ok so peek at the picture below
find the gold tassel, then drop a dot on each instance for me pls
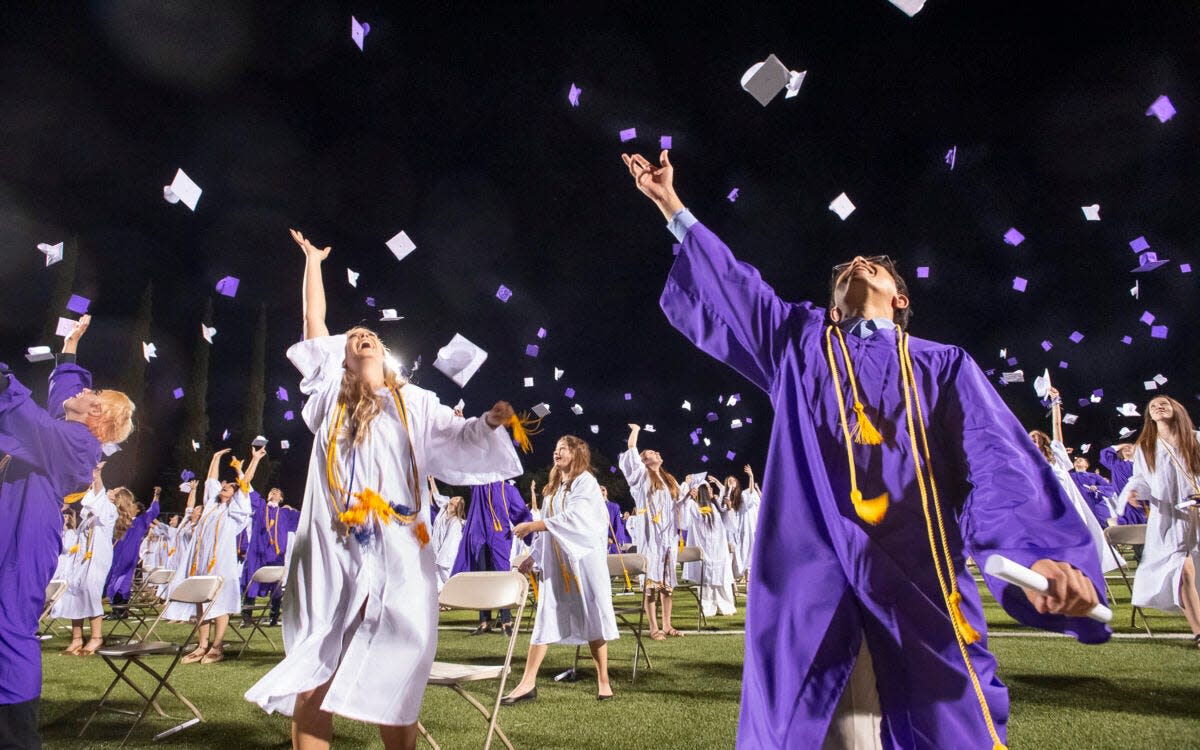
(88, 556)
(865, 433)
(368, 501)
(244, 485)
(871, 510)
(523, 425)
(73, 550)
(236, 463)
(422, 533)
(968, 633)
(74, 497)
(533, 583)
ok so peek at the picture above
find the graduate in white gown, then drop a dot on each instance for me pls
(1166, 481)
(570, 550)
(656, 492)
(70, 519)
(447, 531)
(702, 518)
(360, 609)
(741, 520)
(102, 514)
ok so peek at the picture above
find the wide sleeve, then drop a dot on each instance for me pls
(319, 361)
(152, 512)
(239, 510)
(101, 508)
(750, 499)
(463, 451)
(66, 451)
(66, 380)
(1108, 457)
(581, 526)
(212, 488)
(1015, 506)
(518, 511)
(635, 474)
(725, 308)
(1061, 458)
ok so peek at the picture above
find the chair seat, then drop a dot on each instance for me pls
(626, 610)
(446, 673)
(139, 649)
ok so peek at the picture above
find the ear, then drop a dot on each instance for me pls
(96, 409)
(900, 302)
(835, 314)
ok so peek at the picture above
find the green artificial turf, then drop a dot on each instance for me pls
(1128, 693)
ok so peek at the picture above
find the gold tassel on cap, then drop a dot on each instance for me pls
(523, 425)
(74, 497)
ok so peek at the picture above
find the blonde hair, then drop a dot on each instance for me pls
(362, 404)
(662, 479)
(458, 510)
(1042, 441)
(115, 420)
(126, 510)
(581, 461)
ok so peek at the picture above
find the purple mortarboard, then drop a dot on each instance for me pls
(1084, 402)
(952, 156)
(1162, 109)
(1076, 337)
(1158, 332)
(1012, 361)
(695, 436)
(573, 95)
(704, 459)
(922, 272)
(77, 304)
(711, 416)
(675, 248)
(628, 134)
(1126, 340)
(1139, 244)
(664, 142)
(569, 393)
(1047, 346)
(1097, 395)
(289, 415)
(628, 396)
(1147, 318)
(503, 293)
(228, 286)
(1185, 267)
(733, 195)
(1019, 283)
(281, 393)
(749, 420)
(1148, 261)
(1062, 364)
(358, 32)
(370, 301)
(730, 455)
(186, 475)
(541, 333)
(531, 350)
(612, 470)
(1013, 237)
(177, 393)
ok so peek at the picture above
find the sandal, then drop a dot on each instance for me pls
(73, 649)
(195, 656)
(673, 633)
(658, 635)
(214, 655)
(90, 650)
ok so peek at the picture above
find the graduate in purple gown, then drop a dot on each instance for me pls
(487, 537)
(891, 460)
(45, 455)
(269, 528)
(617, 535)
(1098, 491)
(125, 557)
(1118, 459)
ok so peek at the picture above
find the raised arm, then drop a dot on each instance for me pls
(313, 292)
(631, 442)
(215, 464)
(750, 485)
(256, 455)
(533, 503)
(71, 342)
(97, 479)
(191, 501)
(1056, 430)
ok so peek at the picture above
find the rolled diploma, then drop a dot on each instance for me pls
(1001, 567)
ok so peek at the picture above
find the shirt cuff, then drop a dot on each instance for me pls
(63, 358)
(680, 223)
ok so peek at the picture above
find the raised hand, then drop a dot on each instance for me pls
(310, 250)
(72, 340)
(258, 452)
(157, 492)
(499, 414)
(656, 183)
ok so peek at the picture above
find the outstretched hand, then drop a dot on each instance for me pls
(499, 414)
(310, 250)
(72, 340)
(656, 183)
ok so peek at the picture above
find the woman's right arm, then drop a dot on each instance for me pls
(313, 292)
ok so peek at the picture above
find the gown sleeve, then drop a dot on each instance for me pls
(66, 380)
(581, 526)
(101, 508)
(239, 510)
(635, 474)
(56, 447)
(725, 308)
(319, 361)
(465, 451)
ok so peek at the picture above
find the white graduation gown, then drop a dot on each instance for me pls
(1171, 533)
(576, 608)
(64, 557)
(740, 528)
(365, 614)
(707, 531)
(445, 540)
(213, 551)
(85, 578)
(659, 540)
(1062, 470)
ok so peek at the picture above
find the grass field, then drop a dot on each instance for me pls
(1132, 692)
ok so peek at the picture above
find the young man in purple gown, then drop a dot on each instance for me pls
(45, 455)
(617, 534)
(850, 635)
(270, 525)
(487, 537)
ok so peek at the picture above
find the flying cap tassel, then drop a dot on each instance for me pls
(368, 501)
(968, 633)
(864, 432)
(522, 426)
(74, 497)
(872, 510)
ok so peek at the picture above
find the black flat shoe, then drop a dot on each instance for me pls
(481, 630)
(531, 695)
(604, 697)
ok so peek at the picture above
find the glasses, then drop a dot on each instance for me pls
(882, 260)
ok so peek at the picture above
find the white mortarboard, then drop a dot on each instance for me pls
(687, 406)
(1150, 385)
(284, 444)
(110, 448)
(766, 79)
(577, 409)
(1125, 432)
(1128, 409)
(65, 327)
(53, 252)
(389, 315)
(150, 351)
(648, 428)
(795, 80)
(1135, 290)
(528, 382)
(1070, 418)
(185, 487)
(557, 373)
(459, 360)
(182, 189)
(910, 7)
(401, 246)
(195, 446)
(38, 353)
(460, 405)
(695, 480)
(842, 206)
(1003, 353)
(1041, 384)
(1016, 376)
(595, 429)
(735, 424)
(352, 277)
(224, 435)
(207, 332)
(707, 442)
(1092, 212)
(1085, 447)
(1160, 379)
(259, 442)
(541, 409)
(732, 400)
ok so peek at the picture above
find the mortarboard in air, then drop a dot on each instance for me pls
(1076, 337)
(53, 253)
(110, 448)
(1070, 418)
(1160, 379)
(228, 286)
(730, 455)
(735, 424)
(910, 7)
(177, 393)
(1150, 385)
(528, 382)
(687, 406)
(1047, 346)
(628, 134)
(1147, 318)
(628, 396)
(922, 272)
(182, 189)
(1162, 109)
(224, 435)
(569, 393)
(78, 304)
(1185, 267)
(704, 459)
(1016, 376)
(289, 415)
(648, 428)
(1011, 361)
(401, 246)
(595, 429)
(1041, 384)
(711, 416)
(573, 95)
(707, 442)
(734, 399)
(358, 32)
(1085, 447)
(1019, 283)
(558, 373)
(733, 195)
(284, 444)
(576, 409)
(1158, 332)
(207, 333)
(766, 79)
(1127, 340)
(541, 333)
(149, 350)
(38, 354)
(1128, 409)
(1135, 290)
(195, 446)
(1096, 396)
(370, 301)
(65, 327)
(951, 157)
(1125, 432)
(388, 315)
(541, 409)
(281, 393)
(1139, 244)
(460, 359)
(259, 442)
(1092, 212)
(1013, 237)
(1062, 364)
(842, 206)
(664, 142)
(1148, 261)
(352, 277)
(503, 293)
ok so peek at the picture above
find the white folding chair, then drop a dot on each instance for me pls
(200, 591)
(1133, 534)
(142, 605)
(694, 555)
(267, 575)
(476, 591)
(627, 567)
(54, 592)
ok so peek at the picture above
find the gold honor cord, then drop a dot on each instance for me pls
(212, 562)
(613, 531)
(562, 564)
(871, 510)
(492, 509)
(963, 632)
(273, 527)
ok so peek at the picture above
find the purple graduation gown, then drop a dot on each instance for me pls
(482, 543)
(51, 458)
(1096, 498)
(1121, 471)
(823, 577)
(125, 554)
(616, 525)
(268, 525)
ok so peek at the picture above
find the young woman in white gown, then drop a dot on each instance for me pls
(1166, 481)
(741, 520)
(703, 519)
(447, 531)
(570, 550)
(360, 608)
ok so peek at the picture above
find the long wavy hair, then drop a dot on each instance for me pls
(704, 499)
(662, 479)
(127, 509)
(733, 489)
(581, 461)
(1187, 447)
(362, 404)
(1042, 441)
